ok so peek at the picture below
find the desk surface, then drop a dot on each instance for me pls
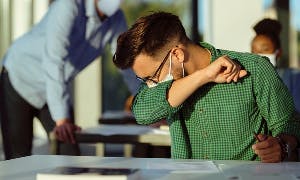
(26, 168)
(125, 134)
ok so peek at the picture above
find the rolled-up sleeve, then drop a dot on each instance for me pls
(151, 105)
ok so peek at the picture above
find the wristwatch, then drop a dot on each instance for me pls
(285, 149)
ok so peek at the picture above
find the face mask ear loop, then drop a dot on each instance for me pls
(170, 63)
(182, 66)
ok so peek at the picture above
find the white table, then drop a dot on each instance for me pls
(152, 168)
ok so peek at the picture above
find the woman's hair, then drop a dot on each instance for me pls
(270, 28)
(149, 35)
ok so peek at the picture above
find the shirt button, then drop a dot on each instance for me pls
(204, 134)
(201, 110)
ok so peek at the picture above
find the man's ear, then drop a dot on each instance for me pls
(178, 53)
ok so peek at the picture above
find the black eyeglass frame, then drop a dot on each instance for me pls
(156, 73)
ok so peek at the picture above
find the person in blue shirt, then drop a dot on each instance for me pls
(267, 43)
(40, 66)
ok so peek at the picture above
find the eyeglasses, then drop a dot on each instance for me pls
(156, 73)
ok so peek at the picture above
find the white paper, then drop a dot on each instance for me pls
(186, 167)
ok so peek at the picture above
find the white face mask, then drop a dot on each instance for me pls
(272, 57)
(169, 75)
(108, 7)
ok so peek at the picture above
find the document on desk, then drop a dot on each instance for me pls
(186, 167)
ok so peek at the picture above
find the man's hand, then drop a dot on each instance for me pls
(269, 149)
(64, 130)
(224, 70)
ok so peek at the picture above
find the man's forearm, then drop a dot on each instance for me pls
(181, 89)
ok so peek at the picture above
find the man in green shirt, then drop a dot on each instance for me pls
(209, 117)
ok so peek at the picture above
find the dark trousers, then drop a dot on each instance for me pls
(17, 122)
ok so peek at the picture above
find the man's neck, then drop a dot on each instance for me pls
(198, 58)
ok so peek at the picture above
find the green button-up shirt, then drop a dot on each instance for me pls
(218, 120)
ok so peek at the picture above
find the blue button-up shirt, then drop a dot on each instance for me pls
(42, 63)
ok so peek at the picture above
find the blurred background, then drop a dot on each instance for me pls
(226, 24)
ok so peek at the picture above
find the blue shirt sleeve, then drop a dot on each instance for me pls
(59, 25)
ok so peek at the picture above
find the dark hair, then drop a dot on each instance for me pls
(149, 34)
(270, 28)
